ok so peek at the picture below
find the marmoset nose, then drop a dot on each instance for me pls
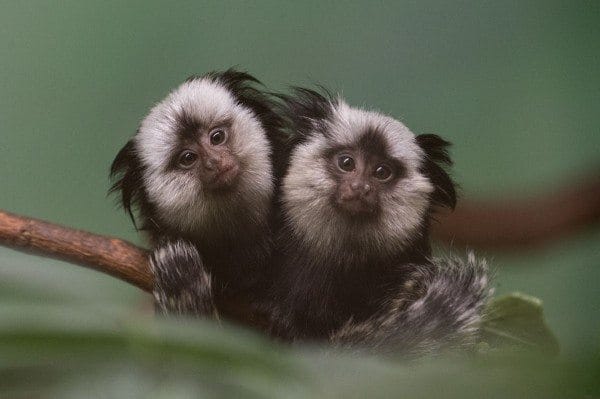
(210, 163)
(360, 187)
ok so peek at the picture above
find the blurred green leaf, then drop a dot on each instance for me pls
(52, 351)
(517, 321)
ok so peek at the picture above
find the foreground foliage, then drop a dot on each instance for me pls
(58, 351)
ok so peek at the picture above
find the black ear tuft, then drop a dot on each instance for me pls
(245, 88)
(307, 109)
(434, 167)
(127, 170)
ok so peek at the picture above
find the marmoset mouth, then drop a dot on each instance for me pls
(224, 178)
(356, 207)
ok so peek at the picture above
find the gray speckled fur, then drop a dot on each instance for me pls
(182, 286)
(445, 315)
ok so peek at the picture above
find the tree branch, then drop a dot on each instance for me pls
(110, 255)
(515, 224)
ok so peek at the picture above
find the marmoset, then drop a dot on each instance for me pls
(201, 172)
(353, 255)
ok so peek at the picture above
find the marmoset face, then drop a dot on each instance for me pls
(204, 156)
(362, 173)
(357, 178)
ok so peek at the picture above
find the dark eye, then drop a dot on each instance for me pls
(346, 163)
(187, 159)
(217, 137)
(382, 172)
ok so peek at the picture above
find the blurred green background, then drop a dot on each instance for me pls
(515, 85)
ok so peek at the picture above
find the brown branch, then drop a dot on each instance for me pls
(523, 223)
(110, 255)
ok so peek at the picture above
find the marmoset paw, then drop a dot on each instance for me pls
(181, 284)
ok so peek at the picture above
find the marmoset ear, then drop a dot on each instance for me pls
(127, 170)
(434, 167)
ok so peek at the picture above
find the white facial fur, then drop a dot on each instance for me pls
(308, 188)
(181, 202)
